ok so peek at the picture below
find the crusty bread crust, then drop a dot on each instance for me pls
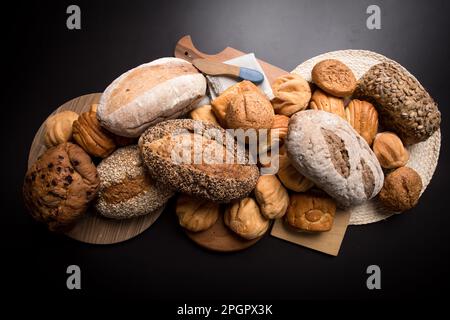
(327, 150)
(196, 179)
(166, 100)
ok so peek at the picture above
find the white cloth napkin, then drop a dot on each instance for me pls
(218, 84)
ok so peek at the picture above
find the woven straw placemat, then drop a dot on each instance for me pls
(423, 156)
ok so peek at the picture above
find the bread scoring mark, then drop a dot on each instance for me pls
(142, 79)
(338, 152)
(368, 179)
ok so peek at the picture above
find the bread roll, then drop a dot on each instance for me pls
(150, 93)
(329, 152)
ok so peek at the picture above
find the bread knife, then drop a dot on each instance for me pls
(214, 68)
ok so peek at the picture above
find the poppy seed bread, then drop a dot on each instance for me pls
(189, 156)
(126, 189)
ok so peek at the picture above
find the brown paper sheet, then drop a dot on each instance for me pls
(326, 242)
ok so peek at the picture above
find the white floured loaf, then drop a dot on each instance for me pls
(163, 89)
(328, 151)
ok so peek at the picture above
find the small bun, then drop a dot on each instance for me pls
(292, 94)
(244, 218)
(196, 214)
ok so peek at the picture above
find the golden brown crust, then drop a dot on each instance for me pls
(215, 181)
(59, 186)
(249, 110)
(390, 151)
(322, 101)
(58, 128)
(196, 214)
(291, 94)
(141, 80)
(289, 176)
(334, 77)
(401, 189)
(311, 212)
(220, 104)
(272, 197)
(204, 113)
(363, 117)
(94, 139)
(244, 218)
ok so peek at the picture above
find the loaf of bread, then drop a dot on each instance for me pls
(329, 152)
(126, 189)
(191, 156)
(150, 93)
(59, 186)
(403, 105)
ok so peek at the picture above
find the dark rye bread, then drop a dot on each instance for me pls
(328, 151)
(200, 174)
(403, 105)
(59, 186)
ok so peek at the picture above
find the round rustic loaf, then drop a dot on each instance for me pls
(189, 155)
(150, 93)
(404, 106)
(328, 151)
(59, 186)
(126, 189)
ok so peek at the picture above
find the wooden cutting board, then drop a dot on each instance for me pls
(93, 228)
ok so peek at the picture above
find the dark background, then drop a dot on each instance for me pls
(47, 64)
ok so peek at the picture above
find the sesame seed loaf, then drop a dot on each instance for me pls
(163, 89)
(200, 174)
(126, 189)
(404, 106)
(328, 151)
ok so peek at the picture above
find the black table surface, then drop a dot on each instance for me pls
(48, 64)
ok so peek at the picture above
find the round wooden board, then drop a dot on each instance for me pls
(220, 238)
(93, 228)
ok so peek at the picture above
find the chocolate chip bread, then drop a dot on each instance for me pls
(404, 106)
(59, 186)
(126, 189)
(183, 154)
(328, 151)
